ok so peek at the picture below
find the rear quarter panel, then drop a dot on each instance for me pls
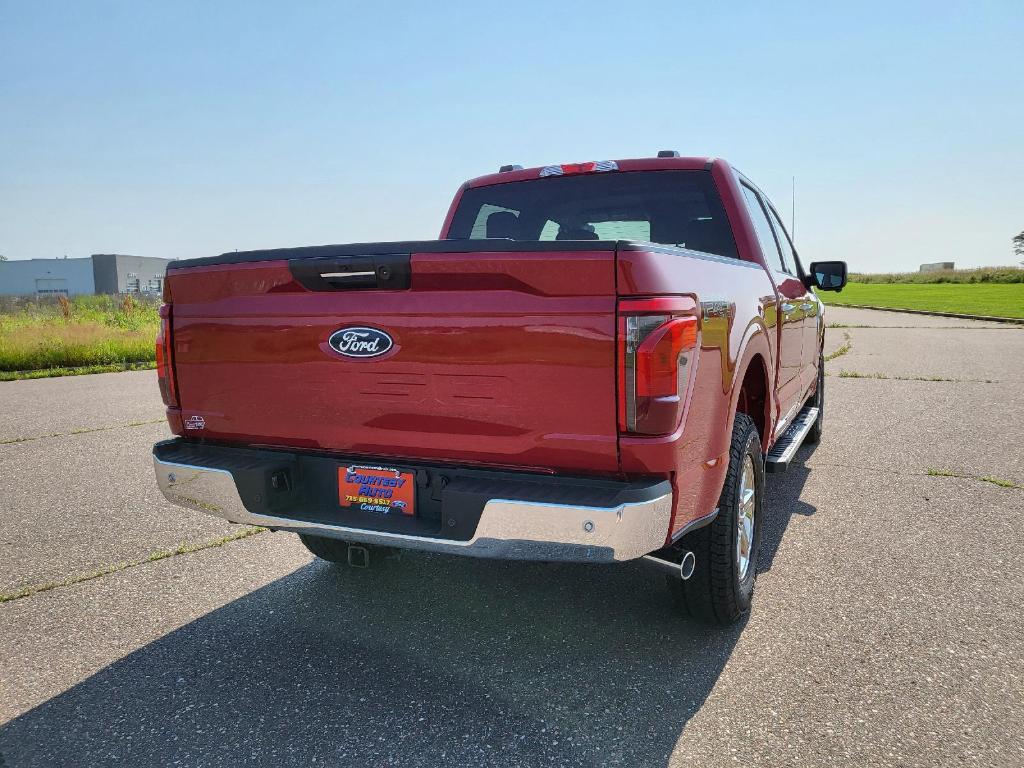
(736, 304)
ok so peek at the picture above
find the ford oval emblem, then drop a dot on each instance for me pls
(357, 341)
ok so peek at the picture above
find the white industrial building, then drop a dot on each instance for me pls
(99, 273)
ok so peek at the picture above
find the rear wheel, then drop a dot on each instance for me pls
(818, 401)
(337, 551)
(722, 585)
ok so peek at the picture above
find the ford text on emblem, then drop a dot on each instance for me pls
(360, 342)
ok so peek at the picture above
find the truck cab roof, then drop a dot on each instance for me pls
(634, 164)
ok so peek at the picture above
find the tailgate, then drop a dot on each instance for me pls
(504, 358)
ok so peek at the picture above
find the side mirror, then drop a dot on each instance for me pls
(827, 275)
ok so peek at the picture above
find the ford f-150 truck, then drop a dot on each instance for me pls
(596, 362)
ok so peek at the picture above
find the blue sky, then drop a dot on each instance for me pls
(187, 129)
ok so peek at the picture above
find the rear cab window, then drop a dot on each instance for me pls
(680, 208)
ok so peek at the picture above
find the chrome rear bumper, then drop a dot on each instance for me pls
(508, 528)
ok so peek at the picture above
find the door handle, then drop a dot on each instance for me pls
(787, 307)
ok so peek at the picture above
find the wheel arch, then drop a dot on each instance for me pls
(753, 393)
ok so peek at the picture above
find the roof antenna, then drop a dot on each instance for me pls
(792, 214)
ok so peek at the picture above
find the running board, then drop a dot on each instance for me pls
(786, 446)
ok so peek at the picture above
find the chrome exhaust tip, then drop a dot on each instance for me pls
(689, 562)
(681, 570)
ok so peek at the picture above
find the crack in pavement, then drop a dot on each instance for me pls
(844, 374)
(1009, 484)
(930, 327)
(84, 431)
(152, 557)
(848, 345)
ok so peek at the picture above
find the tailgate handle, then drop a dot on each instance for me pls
(386, 272)
(330, 275)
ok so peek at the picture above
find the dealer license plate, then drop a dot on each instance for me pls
(383, 490)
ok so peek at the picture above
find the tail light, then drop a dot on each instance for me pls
(657, 349)
(165, 359)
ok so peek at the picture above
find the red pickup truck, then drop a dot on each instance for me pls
(595, 362)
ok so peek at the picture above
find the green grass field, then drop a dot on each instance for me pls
(992, 299)
(978, 275)
(88, 334)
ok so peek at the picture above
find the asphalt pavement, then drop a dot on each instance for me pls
(888, 627)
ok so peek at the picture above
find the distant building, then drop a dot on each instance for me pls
(938, 266)
(46, 277)
(99, 273)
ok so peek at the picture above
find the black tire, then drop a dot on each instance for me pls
(814, 435)
(336, 551)
(716, 593)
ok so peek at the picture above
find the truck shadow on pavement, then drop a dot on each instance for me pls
(425, 661)
(782, 501)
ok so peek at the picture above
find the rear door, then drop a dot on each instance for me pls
(503, 358)
(789, 310)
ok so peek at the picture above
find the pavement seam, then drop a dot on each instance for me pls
(997, 481)
(980, 478)
(928, 327)
(85, 431)
(844, 374)
(152, 557)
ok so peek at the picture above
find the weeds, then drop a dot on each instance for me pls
(55, 335)
(984, 479)
(847, 345)
(854, 375)
(857, 375)
(999, 481)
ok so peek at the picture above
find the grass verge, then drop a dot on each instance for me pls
(46, 373)
(990, 299)
(152, 557)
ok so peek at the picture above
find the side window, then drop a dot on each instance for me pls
(626, 229)
(605, 230)
(549, 232)
(765, 236)
(788, 254)
(485, 226)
